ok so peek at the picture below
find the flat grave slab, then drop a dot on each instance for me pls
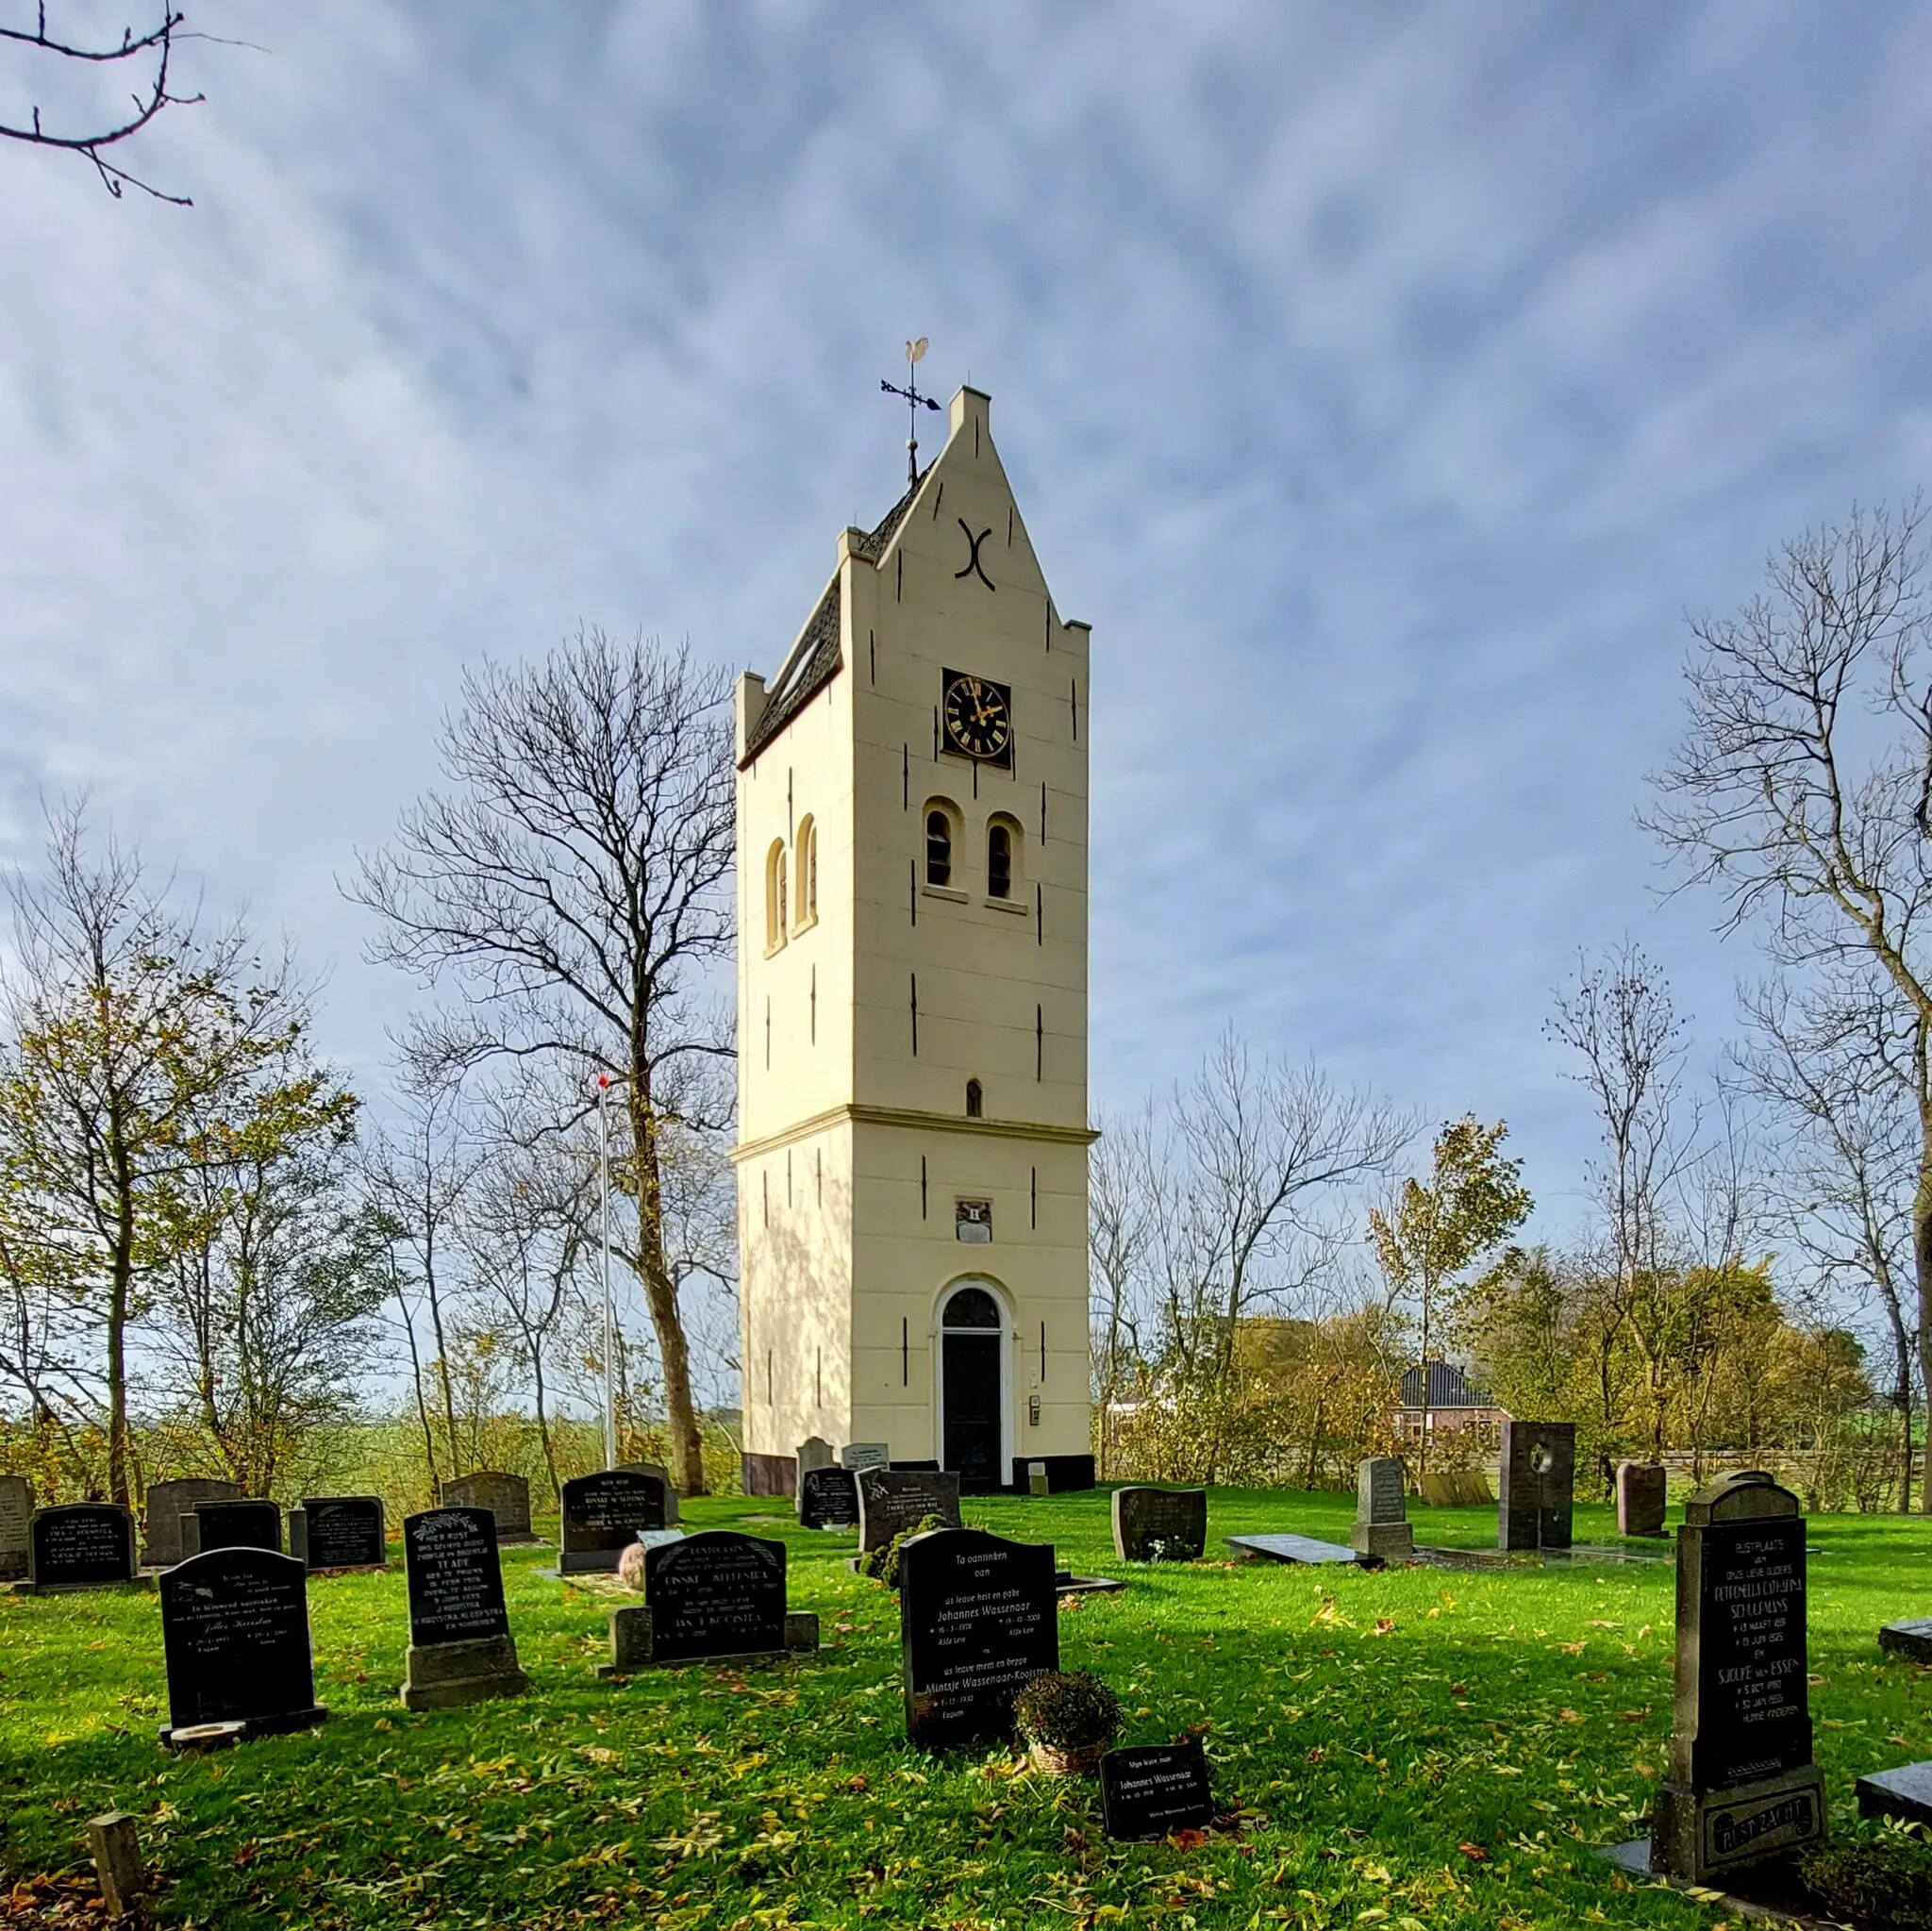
(1904, 1793)
(1912, 1639)
(1290, 1548)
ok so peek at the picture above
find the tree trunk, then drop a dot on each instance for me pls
(121, 1295)
(1921, 1270)
(661, 1293)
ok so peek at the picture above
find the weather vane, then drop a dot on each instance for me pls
(913, 399)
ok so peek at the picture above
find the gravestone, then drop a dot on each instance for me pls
(338, 1532)
(1742, 1786)
(814, 1452)
(1381, 1531)
(1904, 1793)
(601, 1516)
(1439, 1488)
(827, 1499)
(16, 1506)
(166, 1503)
(1288, 1548)
(1151, 1790)
(672, 1512)
(235, 1631)
(858, 1456)
(506, 1496)
(1641, 1498)
(80, 1545)
(250, 1522)
(460, 1649)
(1471, 1489)
(978, 1619)
(711, 1595)
(1913, 1639)
(1535, 1484)
(914, 1468)
(893, 1500)
(1159, 1525)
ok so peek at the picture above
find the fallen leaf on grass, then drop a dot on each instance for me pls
(1475, 1852)
(1384, 1626)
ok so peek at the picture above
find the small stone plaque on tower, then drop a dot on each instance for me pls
(506, 1496)
(460, 1649)
(247, 1523)
(893, 1500)
(1640, 1489)
(603, 1515)
(1381, 1531)
(1536, 1482)
(81, 1546)
(1159, 1525)
(235, 1630)
(827, 1499)
(166, 1503)
(16, 1506)
(338, 1532)
(1742, 1787)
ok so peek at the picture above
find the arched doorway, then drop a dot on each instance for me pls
(973, 1377)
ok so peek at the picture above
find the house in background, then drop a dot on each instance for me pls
(1439, 1400)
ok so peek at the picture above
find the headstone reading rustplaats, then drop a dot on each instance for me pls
(1381, 1531)
(1537, 1477)
(715, 1595)
(80, 1545)
(506, 1496)
(16, 1506)
(858, 1456)
(827, 1498)
(1742, 1786)
(460, 1649)
(249, 1524)
(814, 1452)
(1159, 1525)
(672, 1512)
(602, 1515)
(1151, 1790)
(338, 1532)
(164, 1505)
(235, 1631)
(1641, 1498)
(893, 1500)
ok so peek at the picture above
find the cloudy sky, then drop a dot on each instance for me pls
(1384, 385)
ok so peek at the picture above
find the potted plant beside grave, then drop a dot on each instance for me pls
(1068, 1718)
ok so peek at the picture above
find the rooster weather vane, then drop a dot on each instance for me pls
(913, 403)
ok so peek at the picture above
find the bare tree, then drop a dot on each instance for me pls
(145, 58)
(1122, 1203)
(575, 885)
(1803, 791)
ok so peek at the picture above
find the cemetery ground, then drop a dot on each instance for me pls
(1413, 1747)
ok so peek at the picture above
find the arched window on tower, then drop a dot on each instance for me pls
(939, 847)
(775, 915)
(976, 1100)
(807, 847)
(1002, 858)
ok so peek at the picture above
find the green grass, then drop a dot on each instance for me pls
(1409, 1748)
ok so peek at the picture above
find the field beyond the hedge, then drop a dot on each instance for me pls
(1411, 1747)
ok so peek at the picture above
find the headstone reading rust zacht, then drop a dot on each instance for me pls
(506, 1496)
(165, 1504)
(1381, 1531)
(16, 1506)
(601, 1516)
(858, 1456)
(235, 1631)
(1159, 1525)
(80, 1545)
(978, 1619)
(672, 1512)
(827, 1498)
(1536, 1481)
(1149, 1791)
(250, 1522)
(460, 1649)
(1742, 1787)
(893, 1500)
(1641, 1490)
(709, 1596)
(338, 1532)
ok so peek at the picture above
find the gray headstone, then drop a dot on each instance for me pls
(16, 1506)
(166, 1503)
(1381, 1531)
(1641, 1489)
(506, 1496)
(865, 1455)
(1159, 1525)
(1036, 1478)
(1537, 1481)
(672, 1512)
(893, 1500)
(814, 1452)
(1742, 1787)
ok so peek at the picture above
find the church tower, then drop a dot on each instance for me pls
(912, 1002)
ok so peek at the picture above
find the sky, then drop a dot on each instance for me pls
(1386, 386)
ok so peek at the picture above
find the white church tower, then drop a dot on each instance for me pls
(912, 1002)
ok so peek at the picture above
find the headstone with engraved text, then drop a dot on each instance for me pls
(235, 1632)
(460, 1649)
(1381, 1531)
(827, 1499)
(1641, 1490)
(164, 1505)
(601, 1516)
(1159, 1525)
(506, 1496)
(1536, 1479)
(16, 1506)
(338, 1532)
(893, 1500)
(1150, 1790)
(859, 1456)
(80, 1545)
(243, 1523)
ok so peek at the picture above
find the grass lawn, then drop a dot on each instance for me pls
(1411, 1747)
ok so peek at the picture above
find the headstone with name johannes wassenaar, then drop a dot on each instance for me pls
(16, 1506)
(1159, 1525)
(978, 1619)
(338, 1532)
(506, 1496)
(601, 1516)
(1742, 1787)
(81, 1546)
(1381, 1531)
(893, 1500)
(460, 1649)
(827, 1499)
(245, 1523)
(858, 1456)
(1150, 1790)
(163, 1507)
(235, 1632)
(1537, 1480)
(1640, 1494)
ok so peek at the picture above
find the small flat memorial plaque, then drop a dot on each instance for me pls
(235, 1631)
(1154, 1790)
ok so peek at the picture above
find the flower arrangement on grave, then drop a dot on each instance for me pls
(1068, 1718)
(882, 1564)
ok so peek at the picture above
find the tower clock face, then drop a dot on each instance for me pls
(979, 716)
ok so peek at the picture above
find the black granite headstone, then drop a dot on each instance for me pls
(715, 1595)
(80, 1545)
(827, 1499)
(1159, 1525)
(978, 1619)
(915, 1468)
(338, 1532)
(1149, 1791)
(893, 1500)
(456, 1581)
(235, 1630)
(602, 1515)
(250, 1522)
(1536, 1483)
